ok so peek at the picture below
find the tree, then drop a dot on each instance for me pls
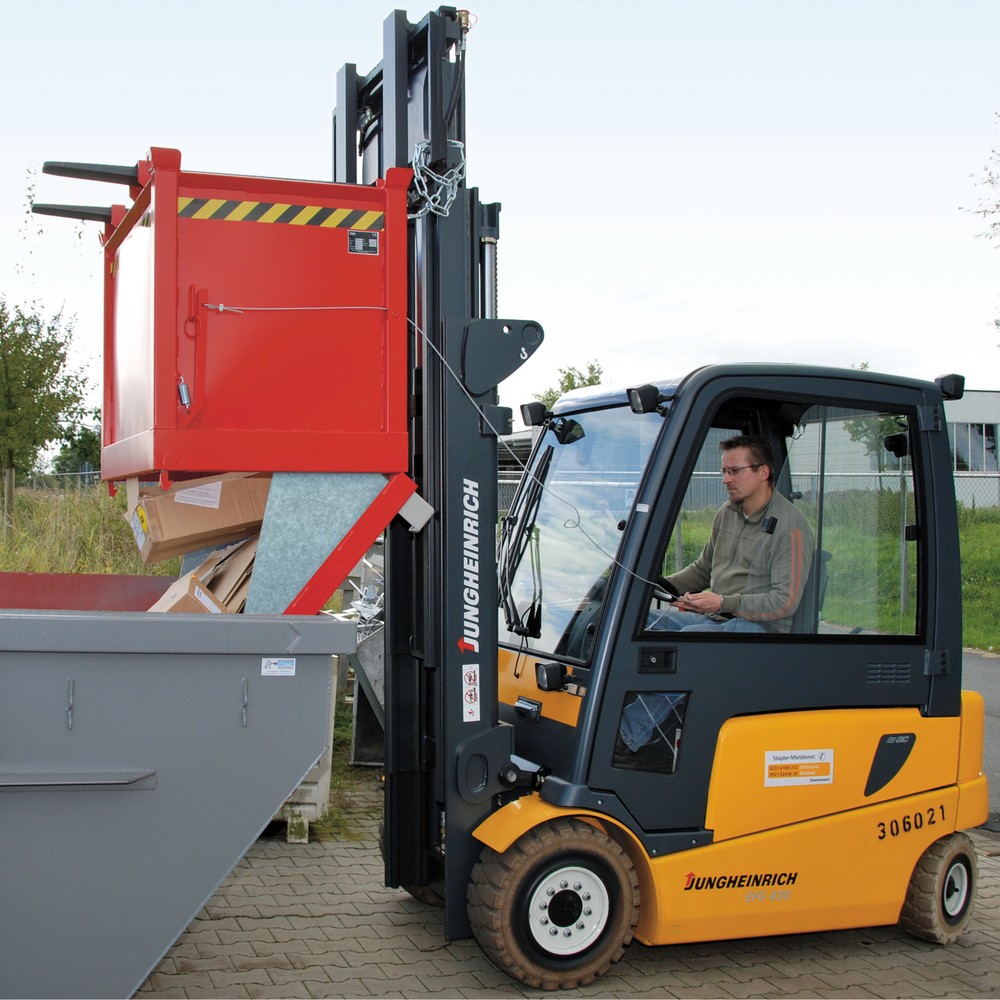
(82, 447)
(572, 378)
(38, 396)
(989, 204)
(872, 433)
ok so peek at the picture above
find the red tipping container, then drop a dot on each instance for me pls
(255, 324)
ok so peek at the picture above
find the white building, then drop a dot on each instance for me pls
(973, 422)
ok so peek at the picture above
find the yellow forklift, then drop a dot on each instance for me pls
(697, 785)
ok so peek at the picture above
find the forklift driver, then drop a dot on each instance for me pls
(756, 560)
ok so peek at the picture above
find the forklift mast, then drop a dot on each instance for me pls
(444, 747)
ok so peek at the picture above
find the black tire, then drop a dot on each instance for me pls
(556, 909)
(421, 893)
(942, 889)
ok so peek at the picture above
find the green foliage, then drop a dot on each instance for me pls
(82, 448)
(872, 432)
(85, 531)
(571, 378)
(38, 396)
(864, 591)
(75, 531)
(979, 534)
(346, 779)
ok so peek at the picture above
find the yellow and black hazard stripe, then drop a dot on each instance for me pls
(281, 214)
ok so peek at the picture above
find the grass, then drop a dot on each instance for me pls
(864, 591)
(83, 530)
(345, 780)
(979, 537)
(78, 530)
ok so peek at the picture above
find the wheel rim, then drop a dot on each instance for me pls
(955, 894)
(567, 910)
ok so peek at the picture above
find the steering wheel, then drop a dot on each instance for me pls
(664, 590)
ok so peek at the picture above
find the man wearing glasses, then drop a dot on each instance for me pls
(752, 571)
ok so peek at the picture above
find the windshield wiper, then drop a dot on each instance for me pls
(517, 533)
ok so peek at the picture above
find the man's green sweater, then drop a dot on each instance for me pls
(757, 564)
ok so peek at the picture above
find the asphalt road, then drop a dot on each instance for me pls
(981, 672)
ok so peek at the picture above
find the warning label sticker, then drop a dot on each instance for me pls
(798, 767)
(470, 693)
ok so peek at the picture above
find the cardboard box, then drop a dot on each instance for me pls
(217, 586)
(190, 596)
(197, 514)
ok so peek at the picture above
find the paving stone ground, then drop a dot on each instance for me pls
(314, 920)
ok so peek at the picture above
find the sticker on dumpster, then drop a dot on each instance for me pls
(277, 666)
(206, 495)
(798, 767)
(362, 242)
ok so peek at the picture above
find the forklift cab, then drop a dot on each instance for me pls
(616, 499)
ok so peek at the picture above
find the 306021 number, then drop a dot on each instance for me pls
(909, 822)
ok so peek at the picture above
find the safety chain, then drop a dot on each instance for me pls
(435, 191)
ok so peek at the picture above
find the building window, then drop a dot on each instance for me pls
(974, 447)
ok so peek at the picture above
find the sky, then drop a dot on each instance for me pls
(682, 182)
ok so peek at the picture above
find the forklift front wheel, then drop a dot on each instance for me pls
(939, 899)
(558, 907)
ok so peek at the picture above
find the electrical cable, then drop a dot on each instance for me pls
(575, 522)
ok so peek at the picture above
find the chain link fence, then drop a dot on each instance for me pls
(977, 490)
(61, 480)
(972, 490)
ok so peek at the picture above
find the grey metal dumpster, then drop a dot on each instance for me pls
(140, 756)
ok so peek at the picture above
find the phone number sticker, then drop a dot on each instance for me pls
(798, 767)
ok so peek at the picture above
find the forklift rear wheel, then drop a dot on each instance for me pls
(556, 909)
(939, 899)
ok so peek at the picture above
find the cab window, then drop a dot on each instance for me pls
(844, 477)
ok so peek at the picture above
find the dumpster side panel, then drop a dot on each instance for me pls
(136, 779)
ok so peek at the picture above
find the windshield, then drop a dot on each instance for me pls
(559, 541)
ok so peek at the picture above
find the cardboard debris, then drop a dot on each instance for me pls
(217, 586)
(189, 595)
(231, 579)
(197, 514)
